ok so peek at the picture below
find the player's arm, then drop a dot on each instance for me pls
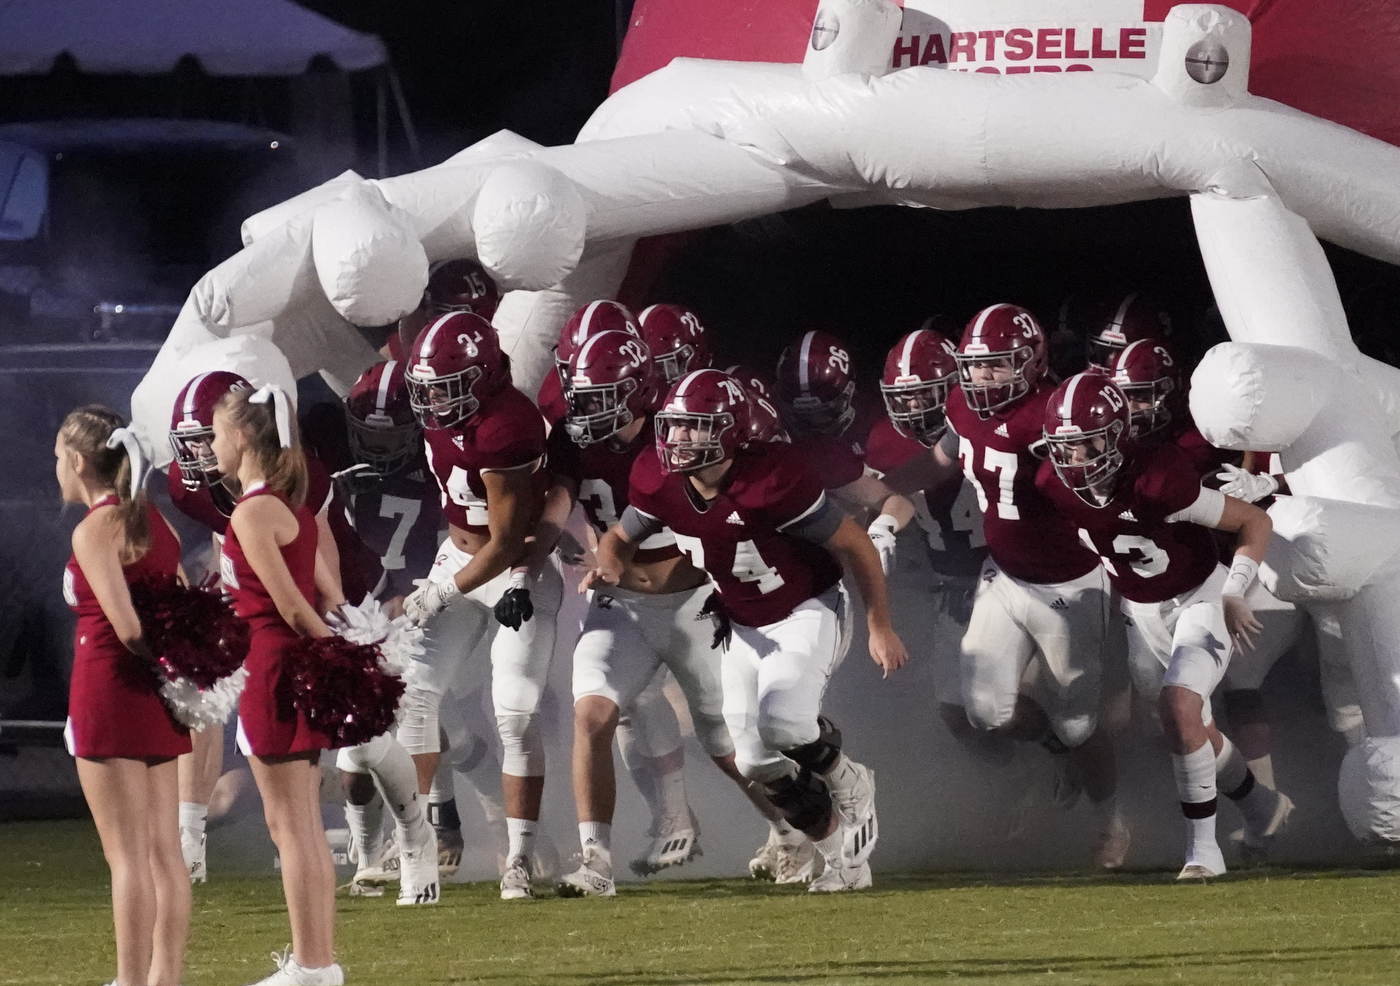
(97, 545)
(618, 547)
(558, 505)
(869, 495)
(509, 492)
(262, 525)
(1252, 528)
(924, 472)
(857, 555)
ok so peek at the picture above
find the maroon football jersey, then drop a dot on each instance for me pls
(838, 459)
(506, 433)
(204, 504)
(1028, 538)
(390, 528)
(947, 513)
(551, 400)
(762, 573)
(603, 475)
(1147, 559)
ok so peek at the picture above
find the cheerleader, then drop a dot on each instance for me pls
(119, 729)
(269, 566)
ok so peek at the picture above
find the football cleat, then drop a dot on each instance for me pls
(1202, 863)
(1254, 847)
(784, 862)
(853, 793)
(289, 973)
(383, 867)
(192, 847)
(674, 844)
(449, 850)
(838, 878)
(593, 878)
(764, 865)
(515, 884)
(418, 868)
(1112, 845)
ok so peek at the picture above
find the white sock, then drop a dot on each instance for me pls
(786, 834)
(1263, 770)
(397, 780)
(830, 848)
(1195, 775)
(442, 788)
(1200, 835)
(366, 824)
(521, 833)
(1230, 771)
(671, 795)
(192, 815)
(598, 834)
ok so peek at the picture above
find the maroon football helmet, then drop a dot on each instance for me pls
(676, 339)
(612, 382)
(383, 430)
(588, 321)
(1087, 428)
(753, 381)
(456, 363)
(919, 372)
(1134, 317)
(703, 421)
(461, 286)
(1150, 378)
(765, 424)
(192, 426)
(1000, 338)
(815, 386)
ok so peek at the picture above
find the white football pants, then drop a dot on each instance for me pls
(1182, 641)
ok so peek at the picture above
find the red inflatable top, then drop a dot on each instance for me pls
(1339, 60)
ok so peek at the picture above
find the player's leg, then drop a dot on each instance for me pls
(649, 738)
(992, 658)
(364, 817)
(116, 791)
(946, 609)
(519, 666)
(1250, 726)
(472, 753)
(388, 764)
(198, 772)
(169, 875)
(1340, 696)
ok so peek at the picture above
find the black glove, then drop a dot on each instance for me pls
(714, 609)
(514, 609)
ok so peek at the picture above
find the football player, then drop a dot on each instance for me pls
(204, 496)
(486, 447)
(655, 617)
(460, 285)
(583, 324)
(755, 516)
(1149, 519)
(676, 339)
(1040, 592)
(1135, 317)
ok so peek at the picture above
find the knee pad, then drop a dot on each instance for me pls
(363, 758)
(523, 753)
(820, 755)
(986, 714)
(1071, 732)
(802, 798)
(418, 726)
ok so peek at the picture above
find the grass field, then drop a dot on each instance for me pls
(1265, 927)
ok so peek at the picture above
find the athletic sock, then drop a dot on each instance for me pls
(192, 815)
(671, 795)
(1263, 770)
(521, 833)
(1195, 785)
(397, 780)
(366, 824)
(830, 847)
(597, 834)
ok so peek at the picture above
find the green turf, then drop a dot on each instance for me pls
(1274, 927)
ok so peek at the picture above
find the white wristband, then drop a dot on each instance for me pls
(885, 520)
(518, 576)
(1241, 578)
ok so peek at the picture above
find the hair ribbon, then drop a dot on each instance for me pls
(126, 438)
(281, 410)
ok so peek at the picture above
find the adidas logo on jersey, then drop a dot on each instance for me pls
(734, 518)
(1128, 516)
(457, 441)
(1001, 430)
(1059, 604)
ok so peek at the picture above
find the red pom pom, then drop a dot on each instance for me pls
(191, 630)
(341, 689)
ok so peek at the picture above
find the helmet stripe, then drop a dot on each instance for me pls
(190, 393)
(1067, 405)
(686, 381)
(1123, 311)
(803, 356)
(381, 399)
(431, 337)
(582, 355)
(1130, 347)
(908, 352)
(982, 319)
(582, 332)
(642, 318)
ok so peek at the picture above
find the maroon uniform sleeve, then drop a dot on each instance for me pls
(197, 506)
(645, 483)
(790, 490)
(551, 399)
(887, 450)
(839, 464)
(1168, 482)
(511, 435)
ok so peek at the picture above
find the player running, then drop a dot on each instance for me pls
(757, 519)
(1148, 517)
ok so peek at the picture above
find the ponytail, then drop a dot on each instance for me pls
(100, 436)
(265, 419)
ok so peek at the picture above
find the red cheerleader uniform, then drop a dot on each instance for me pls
(269, 724)
(114, 703)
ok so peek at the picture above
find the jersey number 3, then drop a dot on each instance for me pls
(1000, 464)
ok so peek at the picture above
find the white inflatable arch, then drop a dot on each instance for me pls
(702, 143)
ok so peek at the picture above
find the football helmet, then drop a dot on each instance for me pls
(753, 381)
(461, 286)
(383, 431)
(612, 382)
(588, 321)
(1134, 317)
(1150, 378)
(765, 424)
(919, 372)
(676, 339)
(1086, 428)
(703, 421)
(1007, 335)
(815, 385)
(192, 426)
(456, 363)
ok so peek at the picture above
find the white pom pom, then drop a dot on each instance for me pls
(198, 708)
(398, 640)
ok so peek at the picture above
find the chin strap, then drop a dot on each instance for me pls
(127, 440)
(281, 410)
